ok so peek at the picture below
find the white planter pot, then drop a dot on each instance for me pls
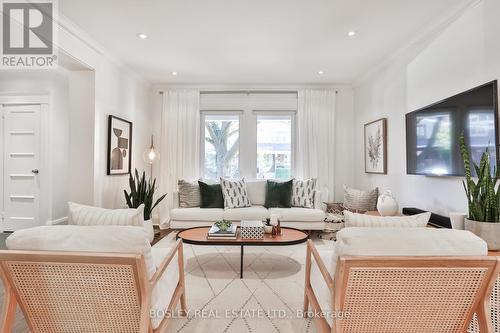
(148, 226)
(387, 204)
(490, 232)
(458, 220)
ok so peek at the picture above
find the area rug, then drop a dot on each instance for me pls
(269, 298)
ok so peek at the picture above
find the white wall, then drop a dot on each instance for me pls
(464, 55)
(115, 91)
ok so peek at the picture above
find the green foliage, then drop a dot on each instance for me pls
(483, 196)
(142, 192)
(223, 225)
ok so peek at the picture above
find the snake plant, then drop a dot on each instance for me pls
(483, 196)
(142, 192)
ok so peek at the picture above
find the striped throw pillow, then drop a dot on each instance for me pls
(88, 215)
(189, 194)
(360, 201)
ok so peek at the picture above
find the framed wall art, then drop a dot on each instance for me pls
(376, 146)
(119, 146)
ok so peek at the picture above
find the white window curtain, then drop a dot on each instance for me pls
(315, 148)
(180, 143)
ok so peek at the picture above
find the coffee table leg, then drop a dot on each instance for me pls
(241, 263)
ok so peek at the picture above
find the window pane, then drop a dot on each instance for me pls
(221, 146)
(274, 147)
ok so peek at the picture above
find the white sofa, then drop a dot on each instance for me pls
(295, 217)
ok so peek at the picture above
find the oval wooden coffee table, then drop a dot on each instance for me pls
(198, 236)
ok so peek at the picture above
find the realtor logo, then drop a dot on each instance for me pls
(28, 34)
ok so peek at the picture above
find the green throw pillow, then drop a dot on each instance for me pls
(279, 194)
(211, 195)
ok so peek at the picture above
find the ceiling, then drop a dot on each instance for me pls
(254, 41)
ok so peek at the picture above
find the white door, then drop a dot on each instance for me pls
(20, 134)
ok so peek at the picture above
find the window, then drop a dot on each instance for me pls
(248, 135)
(221, 146)
(274, 146)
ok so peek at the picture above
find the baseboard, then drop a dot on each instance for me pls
(62, 220)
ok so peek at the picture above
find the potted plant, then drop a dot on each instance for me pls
(483, 198)
(142, 191)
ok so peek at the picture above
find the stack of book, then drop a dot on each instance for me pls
(216, 233)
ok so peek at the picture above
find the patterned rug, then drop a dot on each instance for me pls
(269, 298)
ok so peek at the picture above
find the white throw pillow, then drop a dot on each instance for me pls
(370, 221)
(88, 215)
(303, 193)
(235, 193)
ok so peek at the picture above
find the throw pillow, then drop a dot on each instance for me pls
(279, 194)
(370, 221)
(88, 215)
(360, 201)
(189, 194)
(211, 195)
(303, 193)
(235, 193)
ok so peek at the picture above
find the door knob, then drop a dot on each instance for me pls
(35, 171)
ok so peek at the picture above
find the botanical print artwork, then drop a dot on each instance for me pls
(375, 146)
(119, 146)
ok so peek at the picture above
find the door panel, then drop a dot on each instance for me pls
(21, 137)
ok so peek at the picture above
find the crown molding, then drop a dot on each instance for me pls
(83, 37)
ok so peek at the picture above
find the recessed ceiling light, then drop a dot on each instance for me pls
(142, 35)
(352, 33)
(174, 73)
(321, 72)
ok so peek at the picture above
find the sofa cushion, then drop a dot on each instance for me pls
(189, 194)
(407, 242)
(246, 213)
(303, 193)
(89, 215)
(298, 214)
(360, 201)
(165, 288)
(197, 214)
(211, 195)
(107, 238)
(256, 190)
(235, 193)
(370, 221)
(319, 286)
(279, 194)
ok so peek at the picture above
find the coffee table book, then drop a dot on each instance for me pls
(215, 233)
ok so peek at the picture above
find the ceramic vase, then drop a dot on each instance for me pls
(387, 204)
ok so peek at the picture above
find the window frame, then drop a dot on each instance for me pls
(248, 105)
(293, 132)
(203, 115)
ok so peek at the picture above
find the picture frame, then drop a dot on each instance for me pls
(375, 138)
(119, 146)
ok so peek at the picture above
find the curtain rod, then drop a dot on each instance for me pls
(209, 92)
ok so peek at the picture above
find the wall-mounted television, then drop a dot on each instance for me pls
(432, 133)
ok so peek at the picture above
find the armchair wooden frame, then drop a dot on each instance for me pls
(401, 294)
(85, 292)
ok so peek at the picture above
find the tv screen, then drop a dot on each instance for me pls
(432, 133)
